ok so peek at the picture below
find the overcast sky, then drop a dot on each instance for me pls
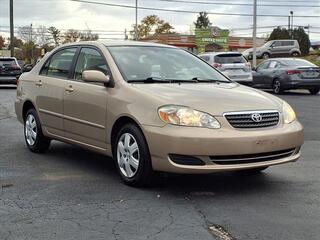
(65, 14)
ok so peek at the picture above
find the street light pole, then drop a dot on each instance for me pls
(254, 34)
(11, 30)
(136, 25)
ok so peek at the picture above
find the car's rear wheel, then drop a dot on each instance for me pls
(34, 137)
(314, 91)
(265, 55)
(277, 87)
(132, 157)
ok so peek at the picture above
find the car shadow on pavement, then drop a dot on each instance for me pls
(93, 164)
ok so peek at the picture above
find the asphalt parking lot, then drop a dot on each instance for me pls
(70, 193)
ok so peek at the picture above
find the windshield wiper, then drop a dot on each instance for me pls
(209, 80)
(162, 80)
(150, 80)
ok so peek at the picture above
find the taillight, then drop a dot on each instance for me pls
(217, 65)
(291, 72)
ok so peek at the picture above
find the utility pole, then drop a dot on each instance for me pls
(136, 25)
(254, 34)
(11, 30)
(291, 12)
(31, 43)
(289, 23)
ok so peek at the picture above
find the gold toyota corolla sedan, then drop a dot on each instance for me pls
(154, 108)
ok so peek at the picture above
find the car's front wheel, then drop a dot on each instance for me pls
(34, 137)
(277, 87)
(314, 91)
(265, 55)
(132, 157)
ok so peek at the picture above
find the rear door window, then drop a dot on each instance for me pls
(229, 58)
(60, 63)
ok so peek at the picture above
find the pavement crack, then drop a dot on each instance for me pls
(215, 230)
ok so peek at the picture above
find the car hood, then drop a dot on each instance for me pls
(212, 98)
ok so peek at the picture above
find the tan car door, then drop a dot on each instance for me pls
(51, 83)
(85, 104)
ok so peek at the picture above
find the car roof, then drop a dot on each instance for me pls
(286, 59)
(119, 43)
(218, 53)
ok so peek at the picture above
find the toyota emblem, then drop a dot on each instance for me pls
(256, 117)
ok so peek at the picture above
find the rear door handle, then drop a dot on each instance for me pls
(69, 89)
(39, 83)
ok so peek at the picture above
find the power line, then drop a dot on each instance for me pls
(188, 11)
(239, 4)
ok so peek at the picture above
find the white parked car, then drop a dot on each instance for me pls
(232, 64)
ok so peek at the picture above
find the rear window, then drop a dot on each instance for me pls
(7, 62)
(298, 62)
(229, 58)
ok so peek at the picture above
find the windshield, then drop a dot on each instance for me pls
(229, 58)
(140, 63)
(267, 44)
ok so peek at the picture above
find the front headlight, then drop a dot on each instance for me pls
(288, 113)
(185, 116)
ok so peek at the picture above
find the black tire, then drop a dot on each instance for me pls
(314, 91)
(265, 56)
(277, 87)
(144, 174)
(295, 54)
(41, 143)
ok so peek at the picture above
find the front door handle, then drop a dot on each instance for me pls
(69, 89)
(39, 83)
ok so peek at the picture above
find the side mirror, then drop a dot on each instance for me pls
(95, 76)
(27, 68)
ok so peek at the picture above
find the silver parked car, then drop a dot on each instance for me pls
(232, 64)
(276, 48)
(282, 74)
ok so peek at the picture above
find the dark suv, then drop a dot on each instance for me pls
(10, 70)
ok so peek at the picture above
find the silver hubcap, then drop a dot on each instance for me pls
(265, 56)
(31, 129)
(277, 87)
(128, 155)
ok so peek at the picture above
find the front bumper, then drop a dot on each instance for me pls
(203, 143)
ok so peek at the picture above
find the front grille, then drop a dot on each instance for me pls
(246, 120)
(252, 158)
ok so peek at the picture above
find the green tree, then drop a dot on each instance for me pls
(2, 40)
(149, 24)
(304, 42)
(55, 33)
(203, 21)
(279, 33)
